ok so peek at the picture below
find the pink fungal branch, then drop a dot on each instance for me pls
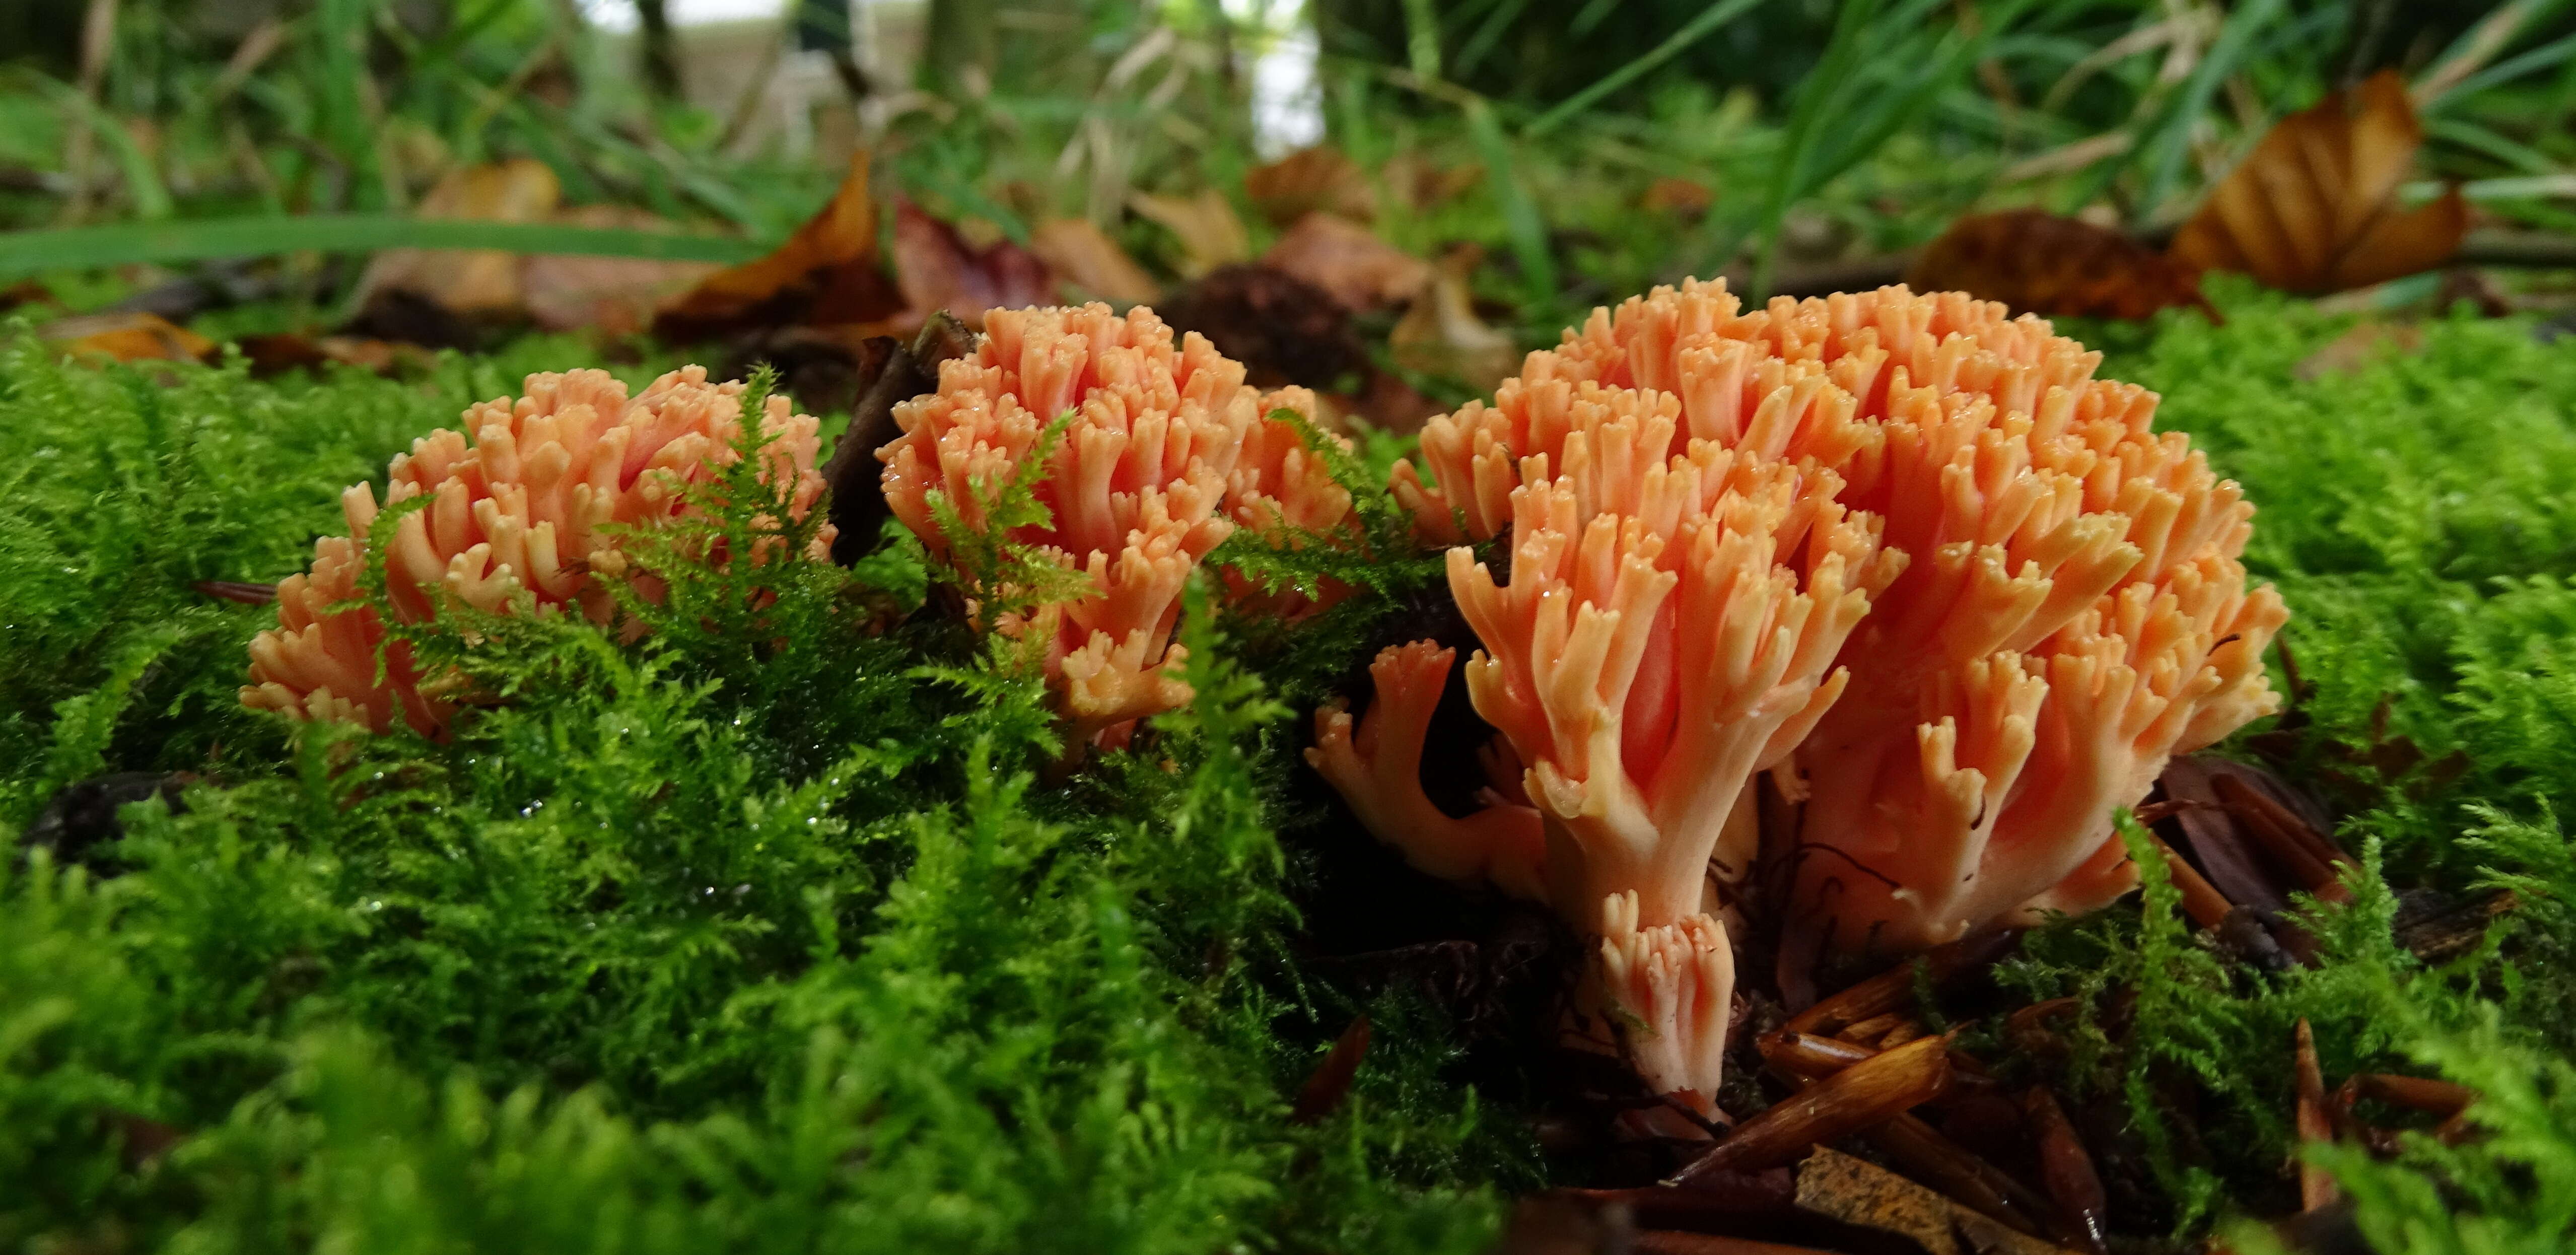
(526, 509)
(1164, 453)
(2054, 606)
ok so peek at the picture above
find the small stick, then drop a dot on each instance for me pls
(2066, 1167)
(1871, 1029)
(1331, 1080)
(1680, 1242)
(1861, 1096)
(2316, 1188)
(2422, 1093)
(1958, 1172)
(2201, 900)
(1801, 1057)
(1894, 988)
(2310, 857)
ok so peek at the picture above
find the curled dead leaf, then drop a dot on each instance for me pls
(1086, 259)
(1441, 334)
(2039, 263)
(826, 273)
(1311, 180)
(1210, 232)
(2314, 207)
(1350, 262)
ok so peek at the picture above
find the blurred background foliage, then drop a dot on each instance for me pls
(1591, 152)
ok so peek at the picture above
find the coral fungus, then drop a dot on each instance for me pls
(2057, 608)
(1165, 452)
(526, 508)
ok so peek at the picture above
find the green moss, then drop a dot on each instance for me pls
(761, 932)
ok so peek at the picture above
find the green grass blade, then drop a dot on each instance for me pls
(1716, 15)
(1520, 213)
(28, 252)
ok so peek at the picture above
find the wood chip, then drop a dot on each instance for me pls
(1856, 1192)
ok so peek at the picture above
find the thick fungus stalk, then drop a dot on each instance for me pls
(1137, 490)
(1668, 630)
(527, 507)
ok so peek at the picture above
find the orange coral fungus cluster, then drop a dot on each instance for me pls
(2026, 598)
(526, 505)
(1167, 451)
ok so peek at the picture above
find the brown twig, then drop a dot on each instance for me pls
(1331, 1080)
(2201, 901)
(2316, 1124)
(2066, 1168)
(1894, 988)
(1861, 1096)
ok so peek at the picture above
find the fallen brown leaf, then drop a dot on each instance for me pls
(1685, 198)
(1350, 262)
(1283, 329)
(272, 355)
(26, 292)
(1085, 258)
(478, 283)
(1311, 180)
(2040, 263)
(1210, 232)
(826, 273)
(1424, 185)
(1862, 1096)
(129, 337)
(2314, 207)
(936, 268)
(1441, 335)
(613, 295)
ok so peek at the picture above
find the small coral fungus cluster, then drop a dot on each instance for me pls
(1164, 452)
(526, 509)
(1901, 552)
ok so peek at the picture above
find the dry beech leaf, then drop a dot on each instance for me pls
(1348, 261)
(1210, 232)
(2039, 263)
(1684, 198)
(1084, 257)
(1423, 185)
(130, 337)
(2314, 207)
(614, 295)
(1441, 335)
(272, 355)
(1311, 180)
(826, 273)
(478, 283)
(936, 268)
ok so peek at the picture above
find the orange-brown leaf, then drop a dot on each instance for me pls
(132, 337)
(1086, 258)
(1348, 262)
(613, 295)
(473, 283)
(938, 269)
(1311, 180)
(2039, 263)
(1210, 232)
(826, 273)
(2314, 207)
